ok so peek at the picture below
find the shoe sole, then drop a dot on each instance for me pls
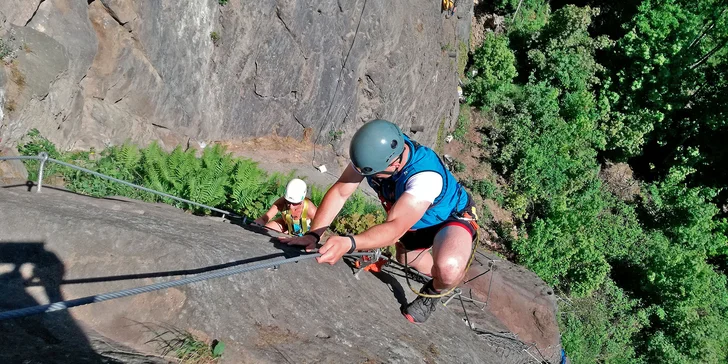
(411, 319)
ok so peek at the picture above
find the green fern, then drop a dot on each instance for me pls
(317, 195)
(181, 167)
(217, 160)
(209, 184)
(128, 160)
(215, 179)
(247, 184)
(156, 170)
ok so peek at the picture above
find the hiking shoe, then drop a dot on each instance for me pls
(419, 310)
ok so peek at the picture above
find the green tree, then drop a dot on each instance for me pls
(685, 214)
(564, 52)
(602, 327)
(688, 302)
(639, 272)
(665, 72)
(494, 63)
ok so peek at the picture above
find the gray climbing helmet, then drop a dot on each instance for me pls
(375, 146)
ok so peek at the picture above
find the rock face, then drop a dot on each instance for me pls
(106, 71)
(57, 245)
(516, 302)
(11, 171)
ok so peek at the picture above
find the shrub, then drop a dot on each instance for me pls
(215, 37)
(463, 124)
(485, 189)
(495, 66)
(216, 179)
(32, 144)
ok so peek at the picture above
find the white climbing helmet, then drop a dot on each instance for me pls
(296, 191)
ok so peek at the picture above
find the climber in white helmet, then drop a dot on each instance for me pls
(295, 209)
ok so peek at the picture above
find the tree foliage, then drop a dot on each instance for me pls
(665, 73)
(600, 328)
(646, 276)
(494, 67)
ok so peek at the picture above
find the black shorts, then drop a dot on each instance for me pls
(425, 237)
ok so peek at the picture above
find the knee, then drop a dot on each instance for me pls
(276, 226)
(450, 270)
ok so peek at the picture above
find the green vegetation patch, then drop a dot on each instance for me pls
(216, 178)
(644, 280)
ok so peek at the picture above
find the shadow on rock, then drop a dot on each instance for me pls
(48, 338)
(394, 286)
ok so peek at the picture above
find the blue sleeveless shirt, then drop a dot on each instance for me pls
(453, 197)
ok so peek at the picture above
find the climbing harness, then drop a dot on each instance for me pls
(376, 262)
(299, 226)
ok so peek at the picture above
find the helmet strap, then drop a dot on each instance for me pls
(399, 160)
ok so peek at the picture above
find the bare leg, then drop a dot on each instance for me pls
(277, 225)
(418, 259)
(451, 252)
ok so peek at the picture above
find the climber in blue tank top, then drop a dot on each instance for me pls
(426, 208)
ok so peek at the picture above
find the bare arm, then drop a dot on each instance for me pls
(271, 212)
(335, 198)
(332, 203)
(403, 215)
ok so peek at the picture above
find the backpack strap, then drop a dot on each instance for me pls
(288, 219)
(304, 217)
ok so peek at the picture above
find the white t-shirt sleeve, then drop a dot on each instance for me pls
(424, 186)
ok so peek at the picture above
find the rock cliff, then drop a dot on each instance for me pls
(92, 74)
(57, 245)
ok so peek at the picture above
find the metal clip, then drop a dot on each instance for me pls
(456, 292)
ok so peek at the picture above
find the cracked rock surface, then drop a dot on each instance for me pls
(57, 245)
(103, 72)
